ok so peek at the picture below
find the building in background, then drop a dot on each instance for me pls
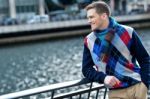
(25, 10)
(138, 6)
(21, 9)
(4, 8)
(129, 6)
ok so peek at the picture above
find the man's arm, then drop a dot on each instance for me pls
(142, 57)
(87, 67)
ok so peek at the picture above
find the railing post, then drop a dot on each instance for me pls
(79, 96)
(70, 97)
(97, 94)
(90, 90)
(52, 95)
(105, 93)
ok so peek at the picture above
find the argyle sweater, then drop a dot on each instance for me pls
(119, 53)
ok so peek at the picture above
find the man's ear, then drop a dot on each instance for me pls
(104, 16)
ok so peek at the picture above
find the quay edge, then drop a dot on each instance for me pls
(32, 32)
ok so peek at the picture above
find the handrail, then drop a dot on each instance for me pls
(61, 96)
(48, 88)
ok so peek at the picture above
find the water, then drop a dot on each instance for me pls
(37, 64)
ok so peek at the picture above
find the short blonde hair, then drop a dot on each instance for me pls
(100, 7)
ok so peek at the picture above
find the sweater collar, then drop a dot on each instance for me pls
(112, 25)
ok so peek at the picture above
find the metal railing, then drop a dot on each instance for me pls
(86, 90)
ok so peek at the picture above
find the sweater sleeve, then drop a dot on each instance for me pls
(88, 70)
(142, 57)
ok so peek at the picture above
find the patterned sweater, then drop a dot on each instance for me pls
(119, 53)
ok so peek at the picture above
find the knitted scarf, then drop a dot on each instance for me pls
(105, 47)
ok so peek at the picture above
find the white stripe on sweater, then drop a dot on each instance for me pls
(121, 47)
(91, 40)
(101, 65)
(127, 72)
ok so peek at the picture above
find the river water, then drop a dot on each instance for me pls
(31, 65)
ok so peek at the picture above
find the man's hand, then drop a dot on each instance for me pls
(111, 81)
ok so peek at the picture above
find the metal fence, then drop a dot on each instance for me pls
(85, 90)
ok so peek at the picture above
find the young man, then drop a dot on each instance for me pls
(114, 55)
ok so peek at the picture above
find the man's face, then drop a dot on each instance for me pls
(96, 21)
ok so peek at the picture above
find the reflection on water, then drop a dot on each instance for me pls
(37, 64)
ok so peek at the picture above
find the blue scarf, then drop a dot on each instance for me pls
(105, 37)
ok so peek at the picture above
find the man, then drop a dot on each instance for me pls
(114, 55)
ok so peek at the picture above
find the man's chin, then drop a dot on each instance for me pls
(93, 29)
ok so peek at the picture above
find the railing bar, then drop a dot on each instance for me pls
(97, 94)
(34, 91)
(90, 90)
(105, 93)
(52, 95)
(18, 95)
(85, 90)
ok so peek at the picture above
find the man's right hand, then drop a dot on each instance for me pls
(111, 81)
